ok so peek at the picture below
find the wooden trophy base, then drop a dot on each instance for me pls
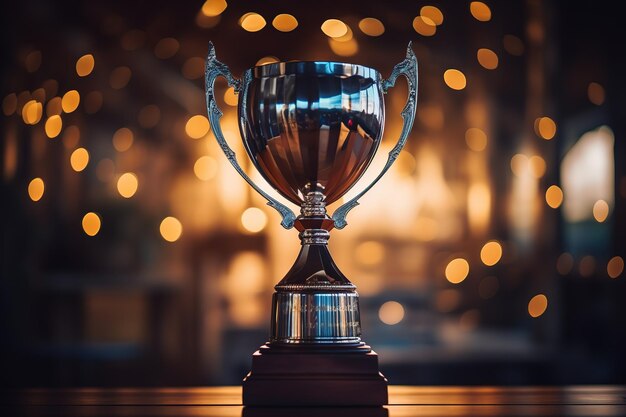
(314, 376)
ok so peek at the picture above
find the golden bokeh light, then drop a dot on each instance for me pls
(36, 189)
(600, 211)
(53, 108)
(91, 223)
(285, 22)
(70, 101)
(266, 60)
(457, 270)
(79, 159)
(545, 127)
(587, 266)
(32, 112)
(85, 65)
(123, 139)
(197, 126)
(554, 196)
(426, 229)
(424, 26)
(127, 184)
(120, 77)
(369, 253)
(205, 168)
(347, 37)
(230, 97)
(212, 8)
(615, 267)
(513, 45)
(39, 94)
(207, 22)
(166, 48)
(334, 28)
(171, 228)
(371, 26)
(491, 253)
(487, 58)
(9, 104)
(340, 48)
(480, 11)
(454, 79)
(537, 166)
(476, 139)
(433, 13)
(253, 220)
(537, 305)
(252, 22)
(53, 126)
(391, 312)
(596, 93)
(520, 164)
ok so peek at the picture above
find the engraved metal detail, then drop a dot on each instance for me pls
(313, 205)
(314, 237)
(214, 69)
(408, 69)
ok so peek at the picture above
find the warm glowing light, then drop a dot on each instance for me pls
(213, 8)
(348, 48)
(171, 229)
(487, 58)
(197, 126)
(519, 164)
(285, 22)
(85, 65)
(371, 26)
(426, 229)
(454, 79)
(267, 60)
(166, 48)
(537, 305)
(53, 108)
(600, 211)
(79, 159)
(70, 101)
(554, 196)
(53, 126)
(596, 93)
(9, 104)
(433, 13)
(252, 22)
(347, 37)
(369, 253)
(123, 139)
(230, 97)
(545, 127)
(513, 45)
(207, 22)
(127, 184)
(205, 168)
(476, 139)
(491, 253)
(565, 263)
(479, 206)
(457, 270)
(537, 166)
(431, 115)
(120, 77)
(32, 112)
(91, 223)
(253, 219)
(334, 28)
(615, 267)
(391, 313)
(480, 11)
(36, 189)
(424, 26)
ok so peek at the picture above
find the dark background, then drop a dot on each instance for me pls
(126, 307)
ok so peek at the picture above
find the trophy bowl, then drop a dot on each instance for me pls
(311, 129)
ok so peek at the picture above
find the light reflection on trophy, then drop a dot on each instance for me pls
(312, 129)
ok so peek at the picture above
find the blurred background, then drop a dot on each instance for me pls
(492, 252)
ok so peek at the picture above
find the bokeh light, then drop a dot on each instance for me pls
(371, 26)
(253, 219)
(554, 196)
(487, 58)
(457, 270)
(433, 13)
(480, 11)
(85, 65)
(53, 126)
(36, 189)
(615, 266)
(230, 97)
(545, 127)
(454, 79)
(476, 139)
(197, 126)
(252, 22)
(123, 139)
(205, 168)
(285, 22)
(32, 112)
(171, 229)
(91, 224)
(213, 8)
(596, 93)
(79, 159)
(334, 28)
(369, 253)
(537, 305)
(70, 101)
(424, 26)
(491, 253)
(127, 184)
(391, 312)
(600, 211)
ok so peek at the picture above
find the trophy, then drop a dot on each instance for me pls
(311, 128)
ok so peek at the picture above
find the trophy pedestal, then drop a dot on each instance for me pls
(314, 376)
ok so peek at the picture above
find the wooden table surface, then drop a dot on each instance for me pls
(404, 401)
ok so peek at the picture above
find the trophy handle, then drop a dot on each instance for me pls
(407, 68)
(214, 69)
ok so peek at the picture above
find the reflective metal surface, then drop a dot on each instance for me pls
(312, 126)
(315, 317)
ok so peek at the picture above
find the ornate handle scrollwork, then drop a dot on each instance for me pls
(407, 68)
(214, 69)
